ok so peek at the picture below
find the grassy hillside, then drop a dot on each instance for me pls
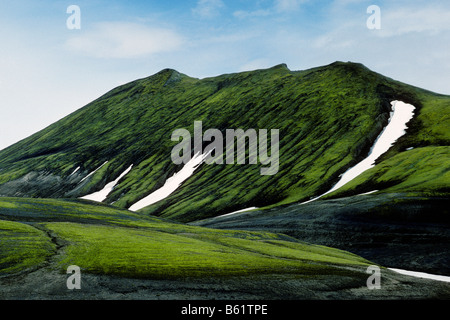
(105, 240)
(328, 117)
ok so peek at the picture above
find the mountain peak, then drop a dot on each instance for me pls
(349, 64)
(168, 71)
(173, 76)
(165, 77)
(280, 66)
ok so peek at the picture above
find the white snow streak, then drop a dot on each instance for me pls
(77, 168)
(90, 174)
(422, 275)
(101, 195)
(171, 184)
(234, 212)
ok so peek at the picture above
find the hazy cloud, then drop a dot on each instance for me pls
(124, 40)
(208, 8)
(242, 14)
(276, 7)
(288, 5)
(397, 22)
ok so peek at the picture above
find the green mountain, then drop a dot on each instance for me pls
(327, 117)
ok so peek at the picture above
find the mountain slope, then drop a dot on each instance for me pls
(327, 117)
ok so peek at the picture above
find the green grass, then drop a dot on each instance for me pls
(154, 254)
(22, 247)
(102, 239)
(37, 210)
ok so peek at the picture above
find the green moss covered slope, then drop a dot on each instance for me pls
(328, 118)
(101, 239)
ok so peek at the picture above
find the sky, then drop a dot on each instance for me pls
(55, 59)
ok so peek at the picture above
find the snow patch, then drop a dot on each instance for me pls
(370, 192)
(171, 184)
(74, 171)
(101, 195)
(421, 275)
(238, 211)
(90, 174)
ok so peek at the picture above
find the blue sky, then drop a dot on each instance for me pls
(48, 70)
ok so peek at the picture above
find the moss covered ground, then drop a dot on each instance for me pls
(105, 240)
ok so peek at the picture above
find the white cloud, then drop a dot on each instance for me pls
(124, 40)
(242, 14)
(277, 7)
(288, 5)
(208, 8)
(409, 20)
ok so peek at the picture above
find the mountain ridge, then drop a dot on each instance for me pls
(328, 117)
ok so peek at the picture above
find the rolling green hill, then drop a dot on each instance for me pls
(328, 118)
(126, 255)
(105, 240)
